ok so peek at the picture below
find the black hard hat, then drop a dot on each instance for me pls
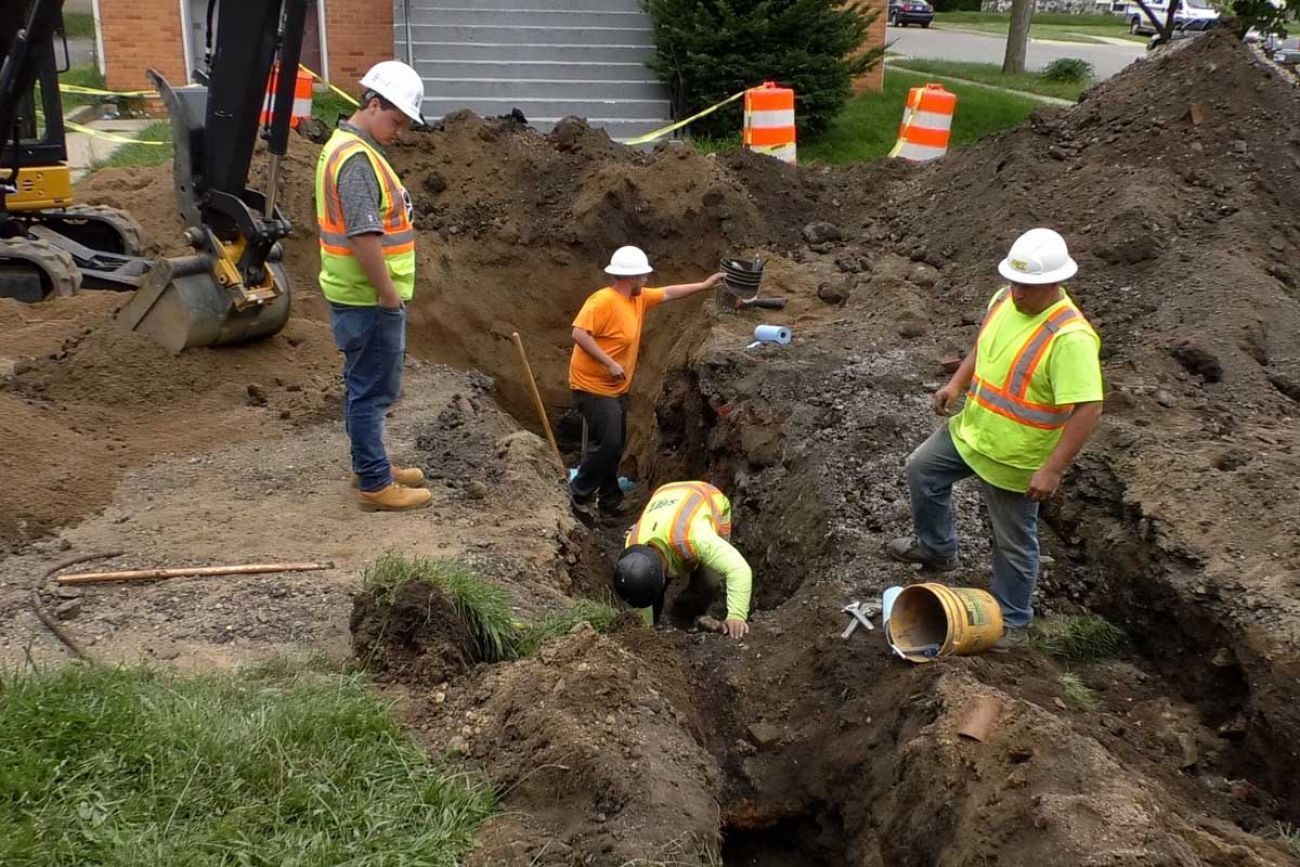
(639, 576)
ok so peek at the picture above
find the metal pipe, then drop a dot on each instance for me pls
(272, 183)
(410, 44)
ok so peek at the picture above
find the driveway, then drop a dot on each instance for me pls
(976, 48)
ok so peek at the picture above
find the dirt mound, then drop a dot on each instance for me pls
(416, 636)
(591, 749)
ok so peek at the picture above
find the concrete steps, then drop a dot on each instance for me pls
(548, 58)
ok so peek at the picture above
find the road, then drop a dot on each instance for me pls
(977, 48)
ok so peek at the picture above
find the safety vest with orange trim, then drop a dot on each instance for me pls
(342, 279)
(690, 524)
(1010, 414)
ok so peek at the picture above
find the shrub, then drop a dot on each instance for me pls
(1077, 639)
(707, 50)
(1070, 69)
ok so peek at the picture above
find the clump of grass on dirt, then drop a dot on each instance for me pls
(484, 607)
(1288, 834)
(598, 614)
(1077, 692)
(1084, 638)
(274, 766)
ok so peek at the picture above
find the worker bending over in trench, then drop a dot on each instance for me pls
(606, 341)
(367, 274)
(685, 531)
(1033, 390)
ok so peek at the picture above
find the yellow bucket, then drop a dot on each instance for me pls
(931, 620)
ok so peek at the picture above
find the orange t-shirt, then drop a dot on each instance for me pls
(615, 323)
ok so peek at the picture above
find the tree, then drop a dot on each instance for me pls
(1265, 16)
(1022, 14)
(707, 50)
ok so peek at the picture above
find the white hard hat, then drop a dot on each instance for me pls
(628, 262)
(399, 84)
(1038, 257)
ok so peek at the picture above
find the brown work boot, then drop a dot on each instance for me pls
(411, 477)
(394, 498)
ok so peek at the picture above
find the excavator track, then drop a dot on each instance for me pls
(21, 259)
(98, 227)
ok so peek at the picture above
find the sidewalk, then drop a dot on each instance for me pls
(84, 150)
(901, 64)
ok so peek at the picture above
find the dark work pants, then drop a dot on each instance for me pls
(606, 419)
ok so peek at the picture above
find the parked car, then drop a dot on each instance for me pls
(1283, 51)
(1189, 12)
(904, 12)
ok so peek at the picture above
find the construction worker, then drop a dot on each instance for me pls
(606, 340)
(684, 531)
(367, 273)
(1034, 395)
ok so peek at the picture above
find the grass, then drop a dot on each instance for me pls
(79, 25)
(1046, 25)
(868, 126)
(991, 73)
(136, 154)
(598, 614)
(484, 607)
(1077, 692)
(82, 75)
(1288, 834)
(117, 766)
(1083, 638)
(328, 106)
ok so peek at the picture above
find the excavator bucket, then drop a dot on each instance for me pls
(182, 305)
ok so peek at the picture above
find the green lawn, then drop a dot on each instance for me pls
(79, 25)
(1046, 25)
(868, 126)
(276, 766)
(82, 75)
(141, 154)
(991, 73)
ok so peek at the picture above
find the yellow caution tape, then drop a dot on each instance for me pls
(94, 91)
(660, 133)
(113, 137)
(351, 100)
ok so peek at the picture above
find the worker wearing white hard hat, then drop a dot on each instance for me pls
(606, 342)
(1033, 389)
(367, 250)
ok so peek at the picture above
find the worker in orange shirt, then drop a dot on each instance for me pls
(606, 338)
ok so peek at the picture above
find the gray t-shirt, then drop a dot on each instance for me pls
(359, 192)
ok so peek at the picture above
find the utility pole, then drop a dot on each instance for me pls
(1022, 12)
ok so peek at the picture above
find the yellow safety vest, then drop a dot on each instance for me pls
(1008, 415)
(670, 519)
(342, 280)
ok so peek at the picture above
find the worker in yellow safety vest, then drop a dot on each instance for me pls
(685, 531)
(367, 274)
(1033, 390)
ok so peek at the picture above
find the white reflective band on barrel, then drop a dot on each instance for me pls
(770, 118)
(920, 153)
(930, 120)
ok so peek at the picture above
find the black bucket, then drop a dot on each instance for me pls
(743, 276)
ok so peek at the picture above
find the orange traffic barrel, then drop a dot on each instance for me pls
(769, 121)
(301, 97)
(927, 124)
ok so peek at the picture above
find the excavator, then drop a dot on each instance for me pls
(232, 288)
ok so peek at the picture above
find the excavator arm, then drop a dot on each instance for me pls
(232, 289)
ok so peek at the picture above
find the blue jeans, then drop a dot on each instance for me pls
(373, 343)
(931, 471)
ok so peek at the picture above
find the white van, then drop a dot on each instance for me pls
(1188, 10)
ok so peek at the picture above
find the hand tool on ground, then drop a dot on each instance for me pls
(537, 397)
(190, 571)
(861, 616)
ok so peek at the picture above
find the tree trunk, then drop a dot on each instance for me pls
(1022, 12)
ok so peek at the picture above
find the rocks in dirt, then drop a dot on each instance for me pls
(1166, 399)
(1132, 235)
(69, 610)
(256, 395)
(67, 591)
(822, 233)
(763, 735)
(911, 328)
(834, 293)
(434, 183)
(1232, 459)
(1197, 360)
(1287, 385)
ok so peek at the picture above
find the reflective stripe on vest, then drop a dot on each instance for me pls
(1009, 399)
(700, 496)
(341, 276)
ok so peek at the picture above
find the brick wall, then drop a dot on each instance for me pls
(138, 35)
(358, 34)
(874, 80)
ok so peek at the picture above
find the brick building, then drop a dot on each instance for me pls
(343, 38)
(584, 58)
